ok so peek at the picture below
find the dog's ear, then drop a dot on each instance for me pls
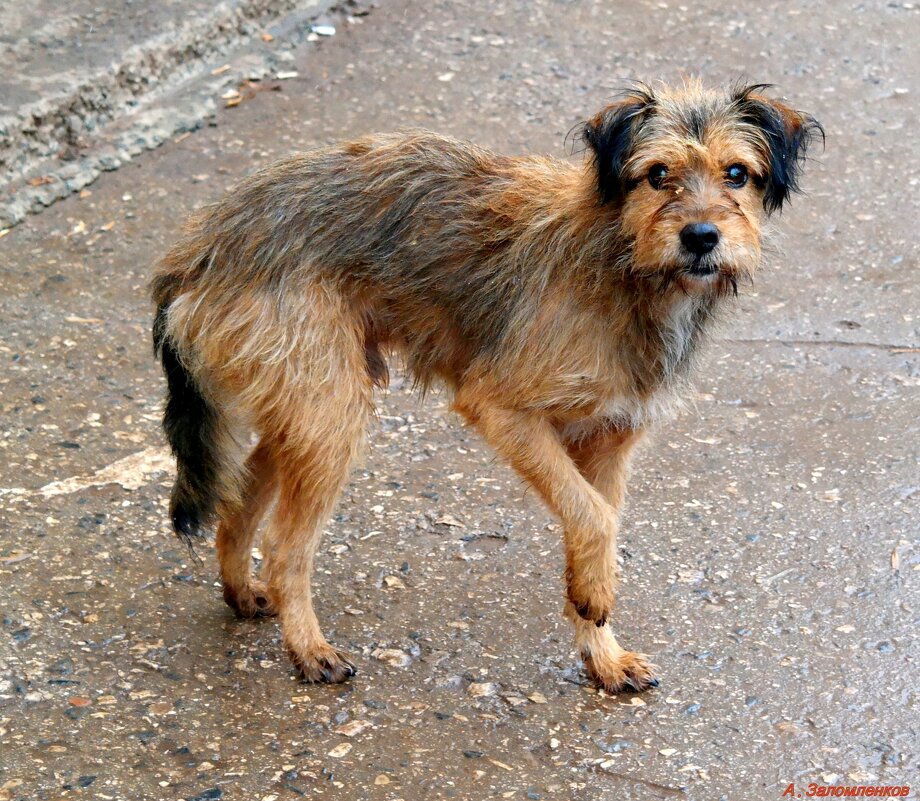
(783, 135)
(610, 135)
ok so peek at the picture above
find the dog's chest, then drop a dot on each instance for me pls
(642, 391)
(626, 413)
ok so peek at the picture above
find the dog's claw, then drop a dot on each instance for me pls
(252, 601)
(622, 671)
(331, 667)
(584, 612)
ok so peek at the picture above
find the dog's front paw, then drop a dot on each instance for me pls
(321, 663)
(592, 603)
(250, 601)
(620, 671)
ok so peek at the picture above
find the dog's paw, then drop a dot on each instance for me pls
(621, 671)
(250, 602)
(321, 664)
(594, 605)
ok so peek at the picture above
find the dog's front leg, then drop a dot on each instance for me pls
(533, 446)
(603, 459)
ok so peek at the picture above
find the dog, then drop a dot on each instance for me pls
(560, 304)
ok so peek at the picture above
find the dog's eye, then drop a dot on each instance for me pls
(736, 176)
(656, 175)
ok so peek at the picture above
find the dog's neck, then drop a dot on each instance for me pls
(665, 333)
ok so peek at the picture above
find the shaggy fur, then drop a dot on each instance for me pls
(561, 304)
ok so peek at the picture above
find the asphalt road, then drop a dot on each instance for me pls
(771, 545)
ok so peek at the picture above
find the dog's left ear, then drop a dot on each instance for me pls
(610, 135)
(784, 136)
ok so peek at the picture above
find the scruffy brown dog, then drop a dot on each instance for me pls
(561, 305)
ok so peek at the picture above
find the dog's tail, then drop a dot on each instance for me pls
(200, 438)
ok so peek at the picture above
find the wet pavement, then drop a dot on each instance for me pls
(85, 87)
(771, 546)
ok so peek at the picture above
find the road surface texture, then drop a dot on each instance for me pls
(770, 547)
(85, 87)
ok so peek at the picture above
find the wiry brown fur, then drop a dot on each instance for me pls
(554, 300)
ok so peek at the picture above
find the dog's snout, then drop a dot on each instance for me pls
(699, 238)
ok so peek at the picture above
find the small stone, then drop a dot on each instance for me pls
(615, 747)
(636, 701)
(79, 701)
(211, 794)
(481, 689)
(341, 750)
(537, 698)
(382, 778)
(352, 728)
(847, 628)
(392, 656)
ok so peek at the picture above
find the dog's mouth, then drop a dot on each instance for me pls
(701, 269)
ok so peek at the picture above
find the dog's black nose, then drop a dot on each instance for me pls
(699, 238)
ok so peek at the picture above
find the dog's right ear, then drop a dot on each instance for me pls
(610, 136)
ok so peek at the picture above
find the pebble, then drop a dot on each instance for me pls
(341, 750)
(352, 728)
(392, 656)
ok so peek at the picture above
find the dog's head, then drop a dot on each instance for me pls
(693, 173)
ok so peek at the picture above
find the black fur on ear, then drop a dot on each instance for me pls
(786, 135)
(610, 136)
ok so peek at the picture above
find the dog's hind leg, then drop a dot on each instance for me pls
(236, 533)
(315, 417)
(310, 482)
